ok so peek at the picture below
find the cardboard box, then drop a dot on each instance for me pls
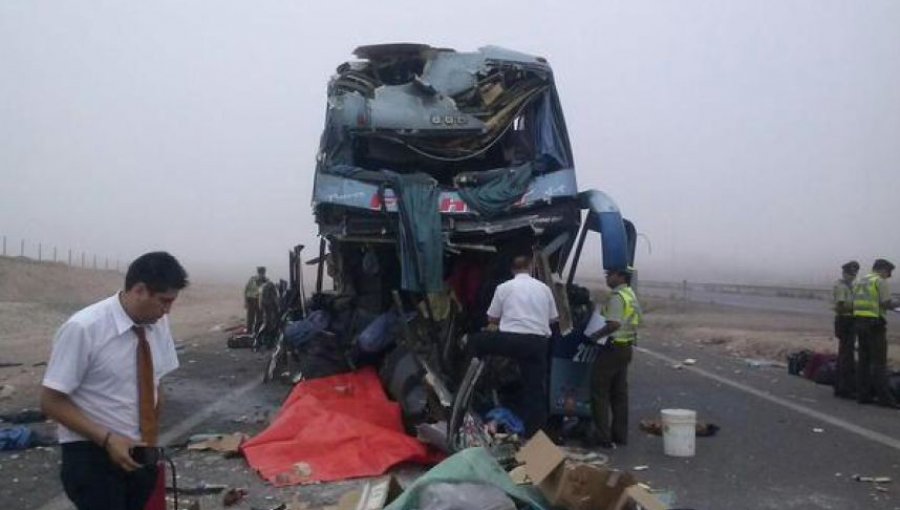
(568, 484)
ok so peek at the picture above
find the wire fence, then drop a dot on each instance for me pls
(40, 251)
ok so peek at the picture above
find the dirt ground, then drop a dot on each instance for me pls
(36, 298)
(746, 333)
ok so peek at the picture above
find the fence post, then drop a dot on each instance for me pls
(4, 246)
(82, 260)
(106, 264)
(95, 261)
(54, 254)
(70, 256)
(117, 265)
(40, 251)
(22, 249)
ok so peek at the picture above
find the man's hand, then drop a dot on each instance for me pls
(119, 450)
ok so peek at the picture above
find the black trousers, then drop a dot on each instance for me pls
(844, 330)
(609, 393)
(532, 352)
(252, 306)
(871, 374)
(92, 482)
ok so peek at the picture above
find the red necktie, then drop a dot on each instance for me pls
(148, 418)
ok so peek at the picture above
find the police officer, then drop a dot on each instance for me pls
(871, 300)
(609, 374)
(845, 384)
(251, 298)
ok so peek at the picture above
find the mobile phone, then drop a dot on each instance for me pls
(146, 455)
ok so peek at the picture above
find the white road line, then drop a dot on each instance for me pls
(60, 502)
(871, 435)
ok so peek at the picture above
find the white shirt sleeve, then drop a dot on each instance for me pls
(496, 308)
(69, 358)
(554, 312)
(168, 357)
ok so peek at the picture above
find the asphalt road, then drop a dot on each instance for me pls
(766, 456)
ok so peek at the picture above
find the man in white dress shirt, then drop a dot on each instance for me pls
(519, 327)
(101, 386)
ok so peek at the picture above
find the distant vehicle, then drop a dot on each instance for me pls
(435, 169)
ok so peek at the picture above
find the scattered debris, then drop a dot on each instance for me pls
(21, 437)
(520, 476)
(4, 364)
(690, 361)
(233, 496)
(242, 341)
(872, 479)
(200, 490)
(6, 391)
(640, 468)
(586, 456)
(303, 470)
(23, 416)
(817, 430)
(39, 364)
(228, 444)
(677, 366)
(373, 495)
(761, 363)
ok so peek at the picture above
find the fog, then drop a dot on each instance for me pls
(751, 141)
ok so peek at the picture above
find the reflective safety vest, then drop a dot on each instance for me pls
(631, 317)
(866, 297)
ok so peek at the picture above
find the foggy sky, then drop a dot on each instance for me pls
(750, 141)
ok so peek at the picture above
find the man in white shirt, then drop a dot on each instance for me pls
(519, 327)
(101, 386)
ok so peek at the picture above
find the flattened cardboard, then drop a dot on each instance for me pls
(640, 497)
(541, 457)
(373, 495)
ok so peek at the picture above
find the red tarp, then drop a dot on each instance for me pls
(331, 429)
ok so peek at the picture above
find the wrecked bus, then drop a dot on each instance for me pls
(434, 170)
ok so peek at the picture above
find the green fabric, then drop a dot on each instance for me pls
(470, 465)
(493, 192)
(421, 240)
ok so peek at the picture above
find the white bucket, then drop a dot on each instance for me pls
(679, 432)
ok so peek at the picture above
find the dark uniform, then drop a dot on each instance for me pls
(251, 299)
(845, 383)
(609, 374)
(870, 299)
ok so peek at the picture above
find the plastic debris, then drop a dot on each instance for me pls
(872, 479)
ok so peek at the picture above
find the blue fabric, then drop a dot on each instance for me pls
(376, 336)
(299, 332)
(421, 239)
(551, 141)
(15, 438)
(507, 419)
